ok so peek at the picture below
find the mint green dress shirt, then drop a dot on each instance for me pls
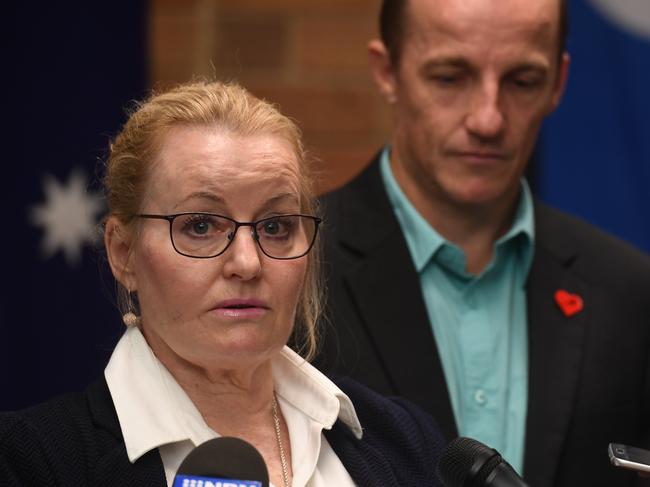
(479, 321)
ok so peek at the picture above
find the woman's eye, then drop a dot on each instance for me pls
(278, 227)
(271, 228)
(199, 225)
(201, 228)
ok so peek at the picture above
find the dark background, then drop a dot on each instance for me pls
(70, 69)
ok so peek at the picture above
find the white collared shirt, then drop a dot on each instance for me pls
(155, 412)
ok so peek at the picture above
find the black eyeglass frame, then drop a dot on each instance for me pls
(170, 218)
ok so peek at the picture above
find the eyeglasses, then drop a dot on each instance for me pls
(205, 235)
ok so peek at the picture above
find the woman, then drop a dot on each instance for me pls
(209, 231)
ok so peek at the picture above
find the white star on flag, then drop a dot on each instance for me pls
(68, 216)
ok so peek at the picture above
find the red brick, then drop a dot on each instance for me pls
(251, 42)
(333, 43)
(338, 166)
(307, 55)
(301, 6)
(171, 39)
(323, 109)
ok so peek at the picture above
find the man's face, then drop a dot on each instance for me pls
(474, 81)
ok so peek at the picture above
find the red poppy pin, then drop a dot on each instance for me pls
(570, 304)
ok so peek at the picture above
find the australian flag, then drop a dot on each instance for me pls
(594, 158)
(71, 69)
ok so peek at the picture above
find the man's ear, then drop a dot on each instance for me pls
(119, 248)
(382, 70)
(561, 81)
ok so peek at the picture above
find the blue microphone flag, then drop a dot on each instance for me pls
(196, 481)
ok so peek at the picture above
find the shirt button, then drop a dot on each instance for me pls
(480, 397)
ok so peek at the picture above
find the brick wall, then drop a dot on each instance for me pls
(309, 56)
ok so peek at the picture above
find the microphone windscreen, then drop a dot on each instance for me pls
(466, 462)
(226, 458)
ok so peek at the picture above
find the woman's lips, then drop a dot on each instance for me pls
(241, 308)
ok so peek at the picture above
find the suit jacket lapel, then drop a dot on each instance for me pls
(113, 467)
(386, 289)
(555, 351)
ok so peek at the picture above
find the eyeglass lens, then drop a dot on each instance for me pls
(203, 235)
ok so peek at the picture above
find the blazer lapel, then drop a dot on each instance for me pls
(555, 351)
(385, 287)
(113, 466)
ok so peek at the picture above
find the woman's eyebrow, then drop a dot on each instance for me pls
(281, 198)
(215, 198)
(204, 195)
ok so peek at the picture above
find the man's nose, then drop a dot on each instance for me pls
(485, 119)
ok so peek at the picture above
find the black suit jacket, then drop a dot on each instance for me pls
(76, 440)
(589, 374)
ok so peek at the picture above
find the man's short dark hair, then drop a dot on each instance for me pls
(391, 26)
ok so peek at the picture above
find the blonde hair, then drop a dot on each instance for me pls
(233, 108)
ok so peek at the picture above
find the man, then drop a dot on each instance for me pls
(450, 285)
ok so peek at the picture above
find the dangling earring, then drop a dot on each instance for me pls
(129, 318)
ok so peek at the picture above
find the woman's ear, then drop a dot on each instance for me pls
(119, 248)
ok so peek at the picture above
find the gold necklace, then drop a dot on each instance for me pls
(278, 436)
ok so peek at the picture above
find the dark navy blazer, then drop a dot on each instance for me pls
(75, 440)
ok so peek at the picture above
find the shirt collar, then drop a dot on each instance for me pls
(153, 410)
(424, 242)
(522, 231)
(301, 384)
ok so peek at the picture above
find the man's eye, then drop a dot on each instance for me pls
(446, 79)
(527, 82)
(523, 83)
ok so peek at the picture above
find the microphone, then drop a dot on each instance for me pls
(223, 462)
(466, 462)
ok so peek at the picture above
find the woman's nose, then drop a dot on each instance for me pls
(243, 257)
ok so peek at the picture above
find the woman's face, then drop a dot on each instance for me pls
(238, 308)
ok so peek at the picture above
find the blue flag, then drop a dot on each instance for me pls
(72, 68)
(594, 153)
